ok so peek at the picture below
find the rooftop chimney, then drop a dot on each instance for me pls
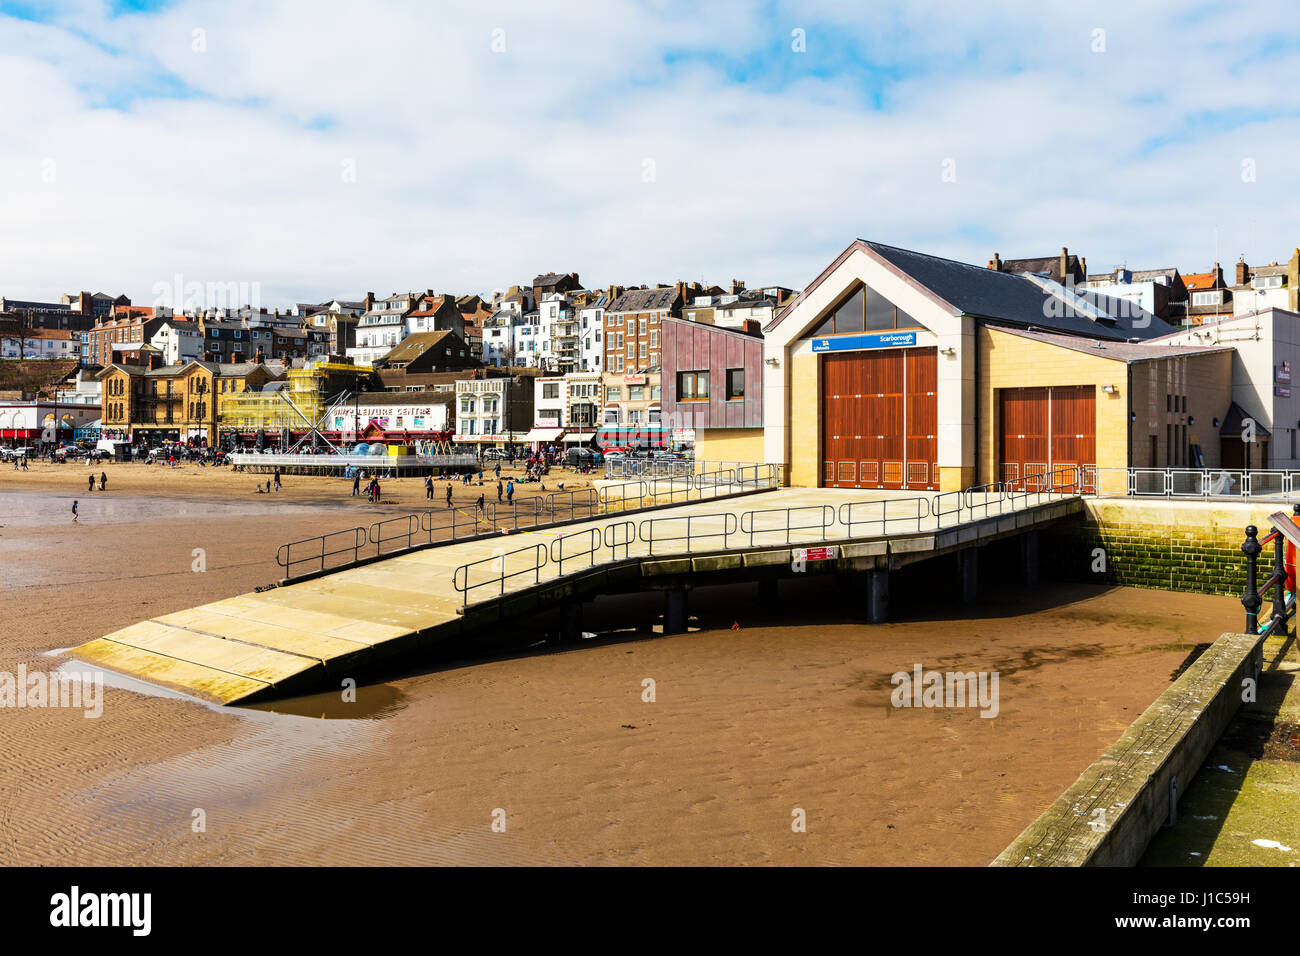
(737, 286)
(996, 263)
(1243, 271)
(1065, 259)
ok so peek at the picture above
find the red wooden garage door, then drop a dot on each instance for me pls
(1046, 429)
(880, 419)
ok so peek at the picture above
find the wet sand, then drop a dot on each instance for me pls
(790, 710)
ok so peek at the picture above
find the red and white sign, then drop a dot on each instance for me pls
(815, 554)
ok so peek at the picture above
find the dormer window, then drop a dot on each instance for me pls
(1267, 282)
(1208, 298)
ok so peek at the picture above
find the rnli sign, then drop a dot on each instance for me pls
(867, 340)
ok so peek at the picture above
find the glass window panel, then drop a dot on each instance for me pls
(848, 317)
(880, 312)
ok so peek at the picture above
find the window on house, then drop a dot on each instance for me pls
(735, 384)
(613, 394)
(692, 386)
(636, 393)
(1207, 298)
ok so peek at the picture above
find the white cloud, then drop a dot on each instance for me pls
(476, 169)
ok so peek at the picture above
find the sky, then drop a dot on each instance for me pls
(311, 149)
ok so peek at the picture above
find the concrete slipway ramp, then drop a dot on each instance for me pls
(312, 634)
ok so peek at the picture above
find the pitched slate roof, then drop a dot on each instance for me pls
(414, 345)
(1128, 352)
(1235, 420)
(643, 300)
(1022, 299)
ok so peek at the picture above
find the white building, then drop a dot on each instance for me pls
(179, 342)
(566, 408)
(591, 319)
(513, 340)
(559, 335)
(381, 328)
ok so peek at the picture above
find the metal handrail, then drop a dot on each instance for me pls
(730, 525)
(611, 541)
(411, 524)
(1064, 479)
(584, 498)
(593, 538)
(825, 521)
(284, 554)
(920, 508)
(460, 577)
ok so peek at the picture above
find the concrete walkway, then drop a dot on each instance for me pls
(1243, 807)
(286, 639)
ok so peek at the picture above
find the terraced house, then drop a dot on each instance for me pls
(151, 405)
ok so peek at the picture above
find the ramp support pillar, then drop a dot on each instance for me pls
(1029, 550)
(878, 596)
(571, 621)
(968, 562)
(675, 611)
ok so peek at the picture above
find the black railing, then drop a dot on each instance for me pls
(1283, 601)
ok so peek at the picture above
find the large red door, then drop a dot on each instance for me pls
(1046, 430)
(880, 419)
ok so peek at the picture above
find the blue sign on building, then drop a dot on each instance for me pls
(868, 340)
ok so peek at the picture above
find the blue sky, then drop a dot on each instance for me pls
(318, 151)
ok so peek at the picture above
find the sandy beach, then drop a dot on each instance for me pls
(755, 715)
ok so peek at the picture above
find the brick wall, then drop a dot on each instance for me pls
(805, 420)
(1171, 545)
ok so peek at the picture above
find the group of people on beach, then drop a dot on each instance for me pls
(372, 488)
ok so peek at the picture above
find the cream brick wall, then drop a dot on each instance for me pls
(805, 423)
(729, 444)
(1012, 361)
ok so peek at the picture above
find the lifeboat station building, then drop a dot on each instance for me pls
(895, 369)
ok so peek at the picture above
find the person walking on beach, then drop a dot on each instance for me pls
(498, 470)
(103, 480)
(510, 492)
(448, 496)
(500, 490)
(74, 512)
(428, 487)
(356, 484)
(92, 482)
(277, 479)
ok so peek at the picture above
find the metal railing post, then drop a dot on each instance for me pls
(1279, 588)
(1250, 600)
